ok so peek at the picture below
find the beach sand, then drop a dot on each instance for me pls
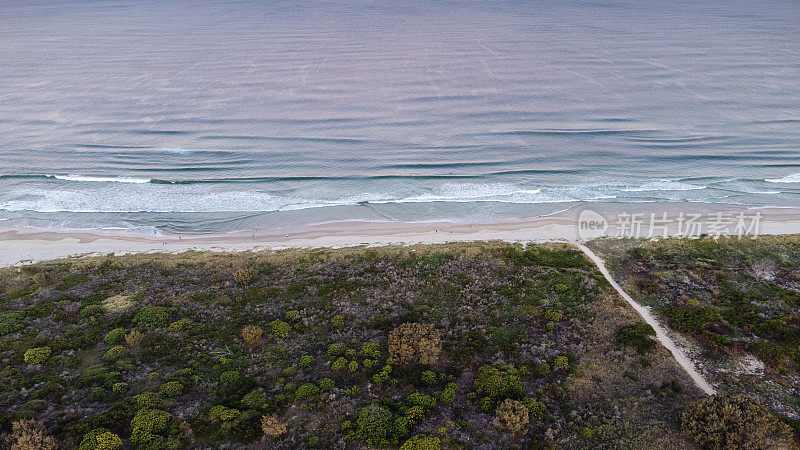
(22, 245)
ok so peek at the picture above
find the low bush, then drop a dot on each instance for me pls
(638, 336)
(512, 415)
(415, 343)
(306, 361)
(375, 426)
(306, 390)
(326, 384)
(496, 383)
(422, 442)
(279, 328)
(181, 325)
(251, 335)
(255, 399)
(691, 319)
(339, 364)
(29, 434)
(115, 353)
(11, 322)
(724, 421)
(148, 427)
(171, 389)
(154, 316)
(337, 321)
(134, 338)
(147, 400)
(37, 355)
(100, 439)
(272, 426)
(222, 413)
(115, 336)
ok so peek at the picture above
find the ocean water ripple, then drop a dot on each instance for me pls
(250, 115)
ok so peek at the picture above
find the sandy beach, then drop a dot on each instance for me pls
(25, 245)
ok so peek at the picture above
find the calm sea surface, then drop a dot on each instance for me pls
(214, 116)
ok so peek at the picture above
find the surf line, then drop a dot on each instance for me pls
(661, 333)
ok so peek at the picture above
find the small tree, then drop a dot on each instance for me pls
(244, 274)
(134, 338)
(37, 355)
(252, 334)
(512, 415)
(415, 343)
(272, 426)
(422, 442)
(28, 435)
(725, 421)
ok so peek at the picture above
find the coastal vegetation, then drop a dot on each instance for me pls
(430, 346)
(734, 302)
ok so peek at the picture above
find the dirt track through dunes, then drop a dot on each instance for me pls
(661, 333)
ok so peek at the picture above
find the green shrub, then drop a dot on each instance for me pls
(326, 384)
(148, 426)
(371, 350)
(221, 413)
(306, 390)
(279, 328)
(154, 316)
(552, 315)
(422, 442)
(119, 388)
(382, 376)
(100, 439)
(171, 389)
(115, 336)
(375, 426)
(561, 362)
(497, 383)
(255, 399)
(429, 377)
(542, 370)
(229, 377)
(11, 322)
(691, 319)
(418, 399)
(335, 350)
(306, 361)
(147, 400)
(36, 355)
(100, 394)
(733, 421)
(115, 353)
(337, 321)
(339, 364)
(536, 409)
(447, 395)
(180, 325)
(638, 336)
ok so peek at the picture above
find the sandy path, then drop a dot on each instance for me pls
(661, 333)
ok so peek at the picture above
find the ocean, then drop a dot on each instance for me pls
(218, 116)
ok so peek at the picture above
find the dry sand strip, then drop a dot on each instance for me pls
(661, 333)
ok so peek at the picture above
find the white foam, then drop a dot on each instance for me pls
(663, 185)
(793, 178)
(143, 197)
(73, 177)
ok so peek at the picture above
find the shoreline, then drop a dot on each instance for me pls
(27, 245)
